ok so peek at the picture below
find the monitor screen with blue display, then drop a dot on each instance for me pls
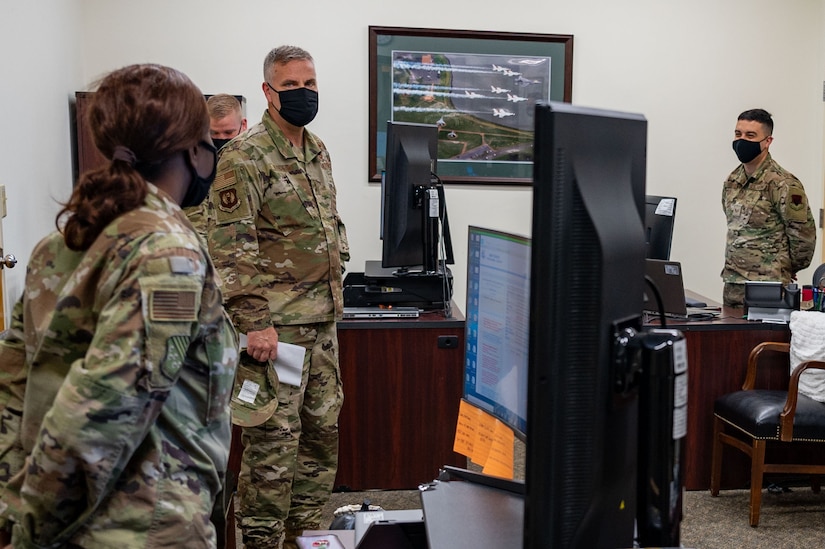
(497, 325)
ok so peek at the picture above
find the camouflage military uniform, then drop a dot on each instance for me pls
(771, 231)
(121, 361)
(198, 215)
(197, 218)
(279, 247)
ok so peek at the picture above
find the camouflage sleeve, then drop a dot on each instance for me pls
(343, 242)
(110, 399)
(13, 361)
(12, 390)
(793, 208)
(233, 242)
(197, 217)
(342, 238)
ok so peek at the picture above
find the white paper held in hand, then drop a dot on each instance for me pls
(290, 362)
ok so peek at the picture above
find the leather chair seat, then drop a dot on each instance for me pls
(767, 417)
(756, 413)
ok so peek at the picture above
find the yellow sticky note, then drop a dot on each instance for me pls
(484, 437)
(500, 458)
(465, 430)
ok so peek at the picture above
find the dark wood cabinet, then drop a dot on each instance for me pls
(402, 388)
(88, 157)
(717, 362)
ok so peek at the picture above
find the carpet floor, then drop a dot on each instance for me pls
(788, 520)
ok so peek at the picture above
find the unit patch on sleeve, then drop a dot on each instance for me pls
(232, 200)
(227, 189)
(797, 206)
(229, 200)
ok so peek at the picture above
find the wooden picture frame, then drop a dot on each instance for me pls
(478, 87)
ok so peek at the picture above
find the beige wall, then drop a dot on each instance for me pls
(689, 67)
(39, 68)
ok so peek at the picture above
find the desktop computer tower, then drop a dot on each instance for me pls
(662, 430)
(379, 286)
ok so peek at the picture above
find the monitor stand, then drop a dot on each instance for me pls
(378, 285)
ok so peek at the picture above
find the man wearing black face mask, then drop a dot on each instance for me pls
(771, 232)
(279, 245)
(226, 119)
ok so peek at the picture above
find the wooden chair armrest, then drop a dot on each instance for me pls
(788, 412)
(753, 360)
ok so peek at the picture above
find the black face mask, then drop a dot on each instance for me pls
(298, 106)
(199, 187)
(219, 143)
(747, 150)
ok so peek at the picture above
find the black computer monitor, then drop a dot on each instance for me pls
(587, 284)
(497, 325)
(660, 217)
(415, 231)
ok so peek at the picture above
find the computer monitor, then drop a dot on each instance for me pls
(660, 217)
(587, 285)
(497, 325)
(415, 231)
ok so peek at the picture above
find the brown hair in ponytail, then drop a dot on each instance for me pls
(140, 116)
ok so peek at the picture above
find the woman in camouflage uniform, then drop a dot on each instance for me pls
(117, 368)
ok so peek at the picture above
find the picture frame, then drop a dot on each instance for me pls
(478, 87)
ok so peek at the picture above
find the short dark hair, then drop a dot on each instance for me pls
(759, 115)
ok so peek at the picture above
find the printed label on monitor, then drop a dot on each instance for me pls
(679, 422)
(680, 390)
(672, 269)
(680, 361)
(433, 212)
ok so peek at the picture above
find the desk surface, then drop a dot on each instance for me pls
(426, 319)
(730, 318)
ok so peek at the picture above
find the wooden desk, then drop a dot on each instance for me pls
(717, 361)
(403, 381)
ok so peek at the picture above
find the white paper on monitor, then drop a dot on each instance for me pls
(290, 362)
(666, 207)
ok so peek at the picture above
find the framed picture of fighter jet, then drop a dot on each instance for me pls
(479, 88)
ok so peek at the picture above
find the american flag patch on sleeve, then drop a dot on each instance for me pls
(173, 305)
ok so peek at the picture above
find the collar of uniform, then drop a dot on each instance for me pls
(312, 145)
(760, 170)
(159, 198)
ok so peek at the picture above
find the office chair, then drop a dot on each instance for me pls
(751, 418)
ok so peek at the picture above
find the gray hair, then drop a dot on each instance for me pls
(282, 55)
